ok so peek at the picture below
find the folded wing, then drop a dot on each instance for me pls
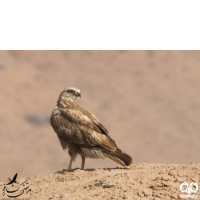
(77, 128)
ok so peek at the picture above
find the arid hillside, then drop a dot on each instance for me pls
(148, 100)
(142, 181)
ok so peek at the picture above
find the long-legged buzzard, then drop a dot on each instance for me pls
(80, 132)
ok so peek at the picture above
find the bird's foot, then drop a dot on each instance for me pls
(67, 170)
(63, 171)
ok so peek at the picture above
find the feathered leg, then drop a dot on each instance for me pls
(70, 165)
(83, 162)
(72, 150)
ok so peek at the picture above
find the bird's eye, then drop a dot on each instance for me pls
(71, 91)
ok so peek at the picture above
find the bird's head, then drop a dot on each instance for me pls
(70, 93)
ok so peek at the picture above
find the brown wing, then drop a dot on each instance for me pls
(73, 105)
(77, 128)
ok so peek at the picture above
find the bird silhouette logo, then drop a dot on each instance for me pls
(13, 180)
(15, 189)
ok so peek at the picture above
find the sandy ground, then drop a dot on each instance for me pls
(148, 100)
(142, 181)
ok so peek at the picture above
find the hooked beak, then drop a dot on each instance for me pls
(78, 93)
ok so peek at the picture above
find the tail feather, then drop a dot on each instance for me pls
(120, 157)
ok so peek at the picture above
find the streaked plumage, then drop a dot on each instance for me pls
(80, 132)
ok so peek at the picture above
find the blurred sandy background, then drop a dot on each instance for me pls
(148, 100)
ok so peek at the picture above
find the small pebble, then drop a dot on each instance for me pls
(109, 185)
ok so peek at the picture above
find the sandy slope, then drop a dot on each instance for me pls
(142, 181)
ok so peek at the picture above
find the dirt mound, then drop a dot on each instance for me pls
(142, 181)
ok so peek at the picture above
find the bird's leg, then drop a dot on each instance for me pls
(70, 165)
(83, 162)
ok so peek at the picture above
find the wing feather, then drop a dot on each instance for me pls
(75, 127)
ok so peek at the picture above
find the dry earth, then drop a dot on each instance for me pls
(142, 181)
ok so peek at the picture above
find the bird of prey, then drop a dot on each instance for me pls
(80, 132)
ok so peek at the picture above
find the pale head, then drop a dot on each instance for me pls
(70, 93)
